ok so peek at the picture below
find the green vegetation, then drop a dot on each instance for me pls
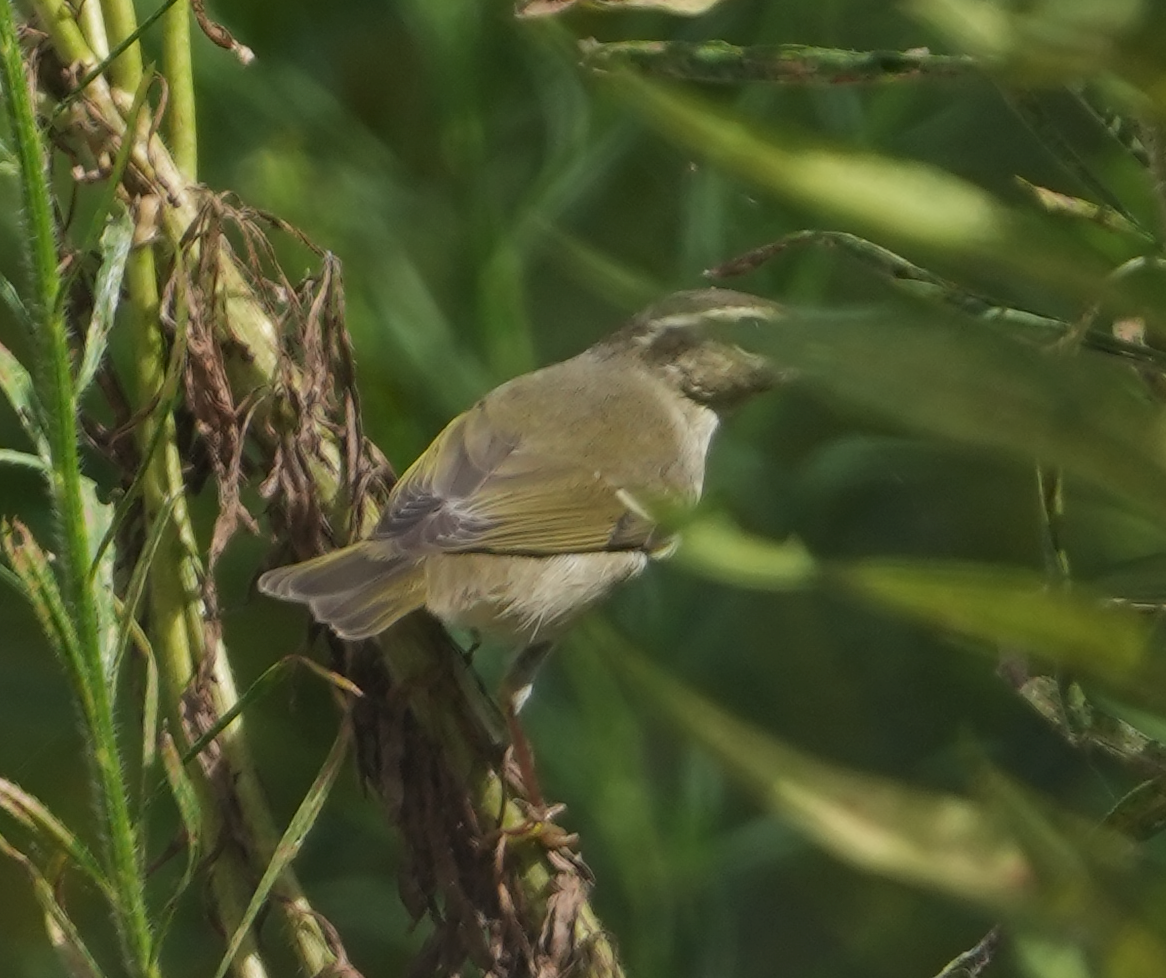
(899, 699)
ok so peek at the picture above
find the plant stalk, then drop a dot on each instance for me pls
(58, 402)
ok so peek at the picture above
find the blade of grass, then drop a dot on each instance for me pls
(902, 201)
(1015, 610)
(714, 548)
(51, 832)
(22, 460)
(168, 397)
(939, 841)
(959, 379)
(11, 298)
(1006, 607)
(66, 940)
(186, 799)
(30, 565)
(137, 587)
(289, 845)
(106, 201)
(260, 688)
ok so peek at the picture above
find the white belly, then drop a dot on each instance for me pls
(522, 599)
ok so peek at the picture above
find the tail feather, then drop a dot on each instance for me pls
(331, 573)
(357, 591)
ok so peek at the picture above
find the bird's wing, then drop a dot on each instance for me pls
(481, 489)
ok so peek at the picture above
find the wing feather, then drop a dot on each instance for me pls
(479, 488)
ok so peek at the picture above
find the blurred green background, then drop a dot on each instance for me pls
(494, 209)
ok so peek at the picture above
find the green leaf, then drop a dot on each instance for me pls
(107, 200)
(10, 456)
(935, 840)
(1050, 43)
(899, 201)
(1085, 881)
(1015, 610)
(64, 937)
(30, 565)
(186, 799)
(16, 383)
(970, 382)
(682, 8)
(11, 298)
(51, 832)
(1042, 957)
(99, 519)
(115, 249)
(168, 396)
(289, 844)
(715, 548)
(1011, 609)
(127, 613)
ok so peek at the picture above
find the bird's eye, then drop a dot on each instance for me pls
(670, 341)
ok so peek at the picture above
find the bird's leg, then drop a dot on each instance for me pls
(515, 692)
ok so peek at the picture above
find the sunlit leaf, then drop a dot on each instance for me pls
(16, 385)
(1053, 43)
(1042, 957)
(10, 456)
(1010, 609)
(115, 249)
(1015, 610)
(64, 937)
(718, 62)
(718, 550)
(683, 8)
(931, 839)
(50, 832)
(99, 520)
(895, 200)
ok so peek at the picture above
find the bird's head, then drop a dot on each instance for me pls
(688, 339)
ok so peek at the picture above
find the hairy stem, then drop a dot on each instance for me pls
(58, 401)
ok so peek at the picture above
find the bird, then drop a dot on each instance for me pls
(531, 506)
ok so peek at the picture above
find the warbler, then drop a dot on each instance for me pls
(532, 505)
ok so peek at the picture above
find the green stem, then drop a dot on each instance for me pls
(121, 21)
(176, 606)
(59, 20)
(55, 387)
(177, 66)
(175, 601)
(92, 25)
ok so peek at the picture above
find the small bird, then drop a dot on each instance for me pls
(531, 506)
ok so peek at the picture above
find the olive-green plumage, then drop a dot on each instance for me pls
(522, 513)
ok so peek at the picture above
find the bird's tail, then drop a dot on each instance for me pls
(357, 591)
